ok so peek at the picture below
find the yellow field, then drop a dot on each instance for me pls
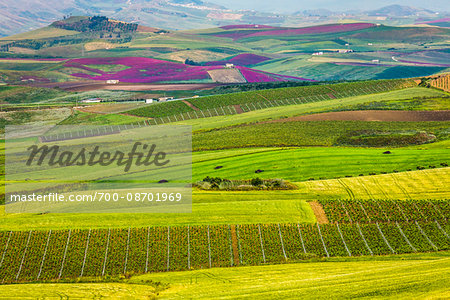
(424, 184)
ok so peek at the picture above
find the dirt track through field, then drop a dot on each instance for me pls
(319, 212)
(238, 109)
(190, 104)
(374, 115)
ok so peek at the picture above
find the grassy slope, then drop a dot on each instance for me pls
(300, 164)
(208, 208)
(386, 100)
(307, 108)
(255, 206)
(42, 33)
(80, 118)
(400, 277)
(312, 133)
(372, 279)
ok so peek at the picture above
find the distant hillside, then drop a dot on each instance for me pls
(401, 11)
(336, 51)
(24, 15)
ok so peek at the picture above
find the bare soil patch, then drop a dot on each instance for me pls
(190, 105)
(319, 212)
(227, 76)
(374, 115)
(238, 109)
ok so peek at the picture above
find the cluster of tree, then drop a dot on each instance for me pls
(96, 23)
(191, 62)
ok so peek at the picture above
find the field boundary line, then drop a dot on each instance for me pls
(343, 240)
(45, 253)
(364, 239)
(281, 240)
(321, 238)
(442, 229)
(106, 252)
(24, 254)
(404, 236)
(6, 248)
(384, 238)
(85, 253)
(426, 236)
(65, 254)
(301, 238)
(261, 241)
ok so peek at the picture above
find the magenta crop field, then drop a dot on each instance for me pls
(141, 69)
(147, 70)
(332, 28)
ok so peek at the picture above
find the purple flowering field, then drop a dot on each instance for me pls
(148, 70)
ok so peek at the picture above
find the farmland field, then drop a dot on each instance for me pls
(318, 160)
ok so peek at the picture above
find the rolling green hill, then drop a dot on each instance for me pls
(362, 50)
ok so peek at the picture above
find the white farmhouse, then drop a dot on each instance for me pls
(112, 81)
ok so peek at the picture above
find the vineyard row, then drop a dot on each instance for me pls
(254, 100)
(49, 255)
(370, 211)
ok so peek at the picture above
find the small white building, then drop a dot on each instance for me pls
(318, 53)
(164, 99)
(375, 61)
(229, 66)
(112, 81)
(149, 101)
(91, 100)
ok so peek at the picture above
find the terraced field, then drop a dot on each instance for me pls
(257, 100)
(41, 255)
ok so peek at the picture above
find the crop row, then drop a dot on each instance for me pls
(46, 255)
(303, 93)
(254, 100)
(370, 211)
(442, 83)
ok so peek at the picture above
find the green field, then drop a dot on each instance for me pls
(244, 207)
(321, 133)
(401, 277)
(307, 108)
(333, 235)
(300, 164)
